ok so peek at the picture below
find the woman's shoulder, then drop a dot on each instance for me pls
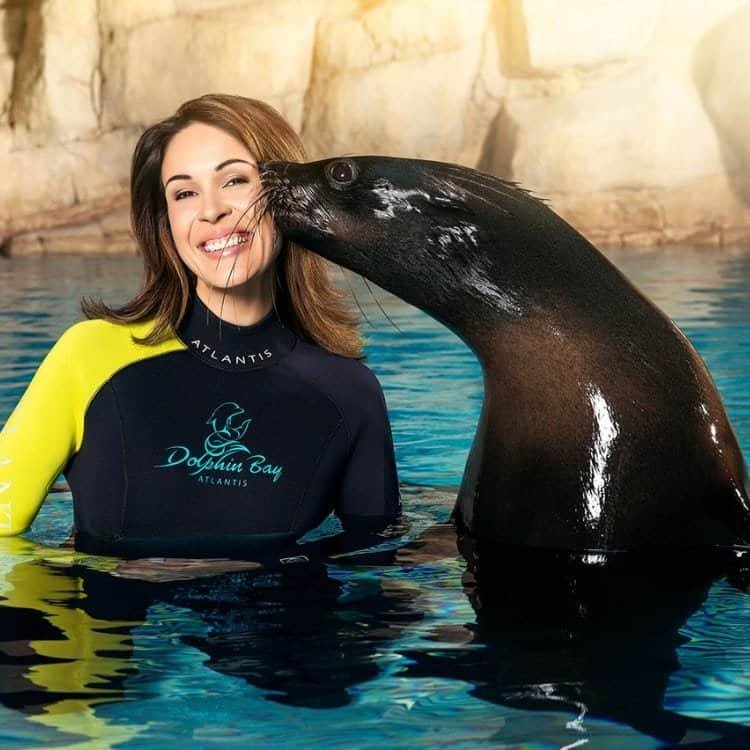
(107, 346)
(348, 382)
(84, 337)
(97, 330)
(90, 331)
(90, 335)
(337, 367)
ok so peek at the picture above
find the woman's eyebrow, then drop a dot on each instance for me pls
(216, 169)
(232, 161)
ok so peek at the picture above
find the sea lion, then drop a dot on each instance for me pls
(601, 428)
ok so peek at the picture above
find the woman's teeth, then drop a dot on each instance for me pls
(224, 243)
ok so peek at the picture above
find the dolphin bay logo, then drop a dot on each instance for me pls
(224, 460)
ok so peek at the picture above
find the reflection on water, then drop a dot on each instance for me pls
(597, 636)
(387, 649)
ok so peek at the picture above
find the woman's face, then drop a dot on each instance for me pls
(210, 179)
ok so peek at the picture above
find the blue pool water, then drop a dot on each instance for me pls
(356, 656)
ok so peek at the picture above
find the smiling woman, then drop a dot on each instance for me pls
(224, 411)
(217, 226)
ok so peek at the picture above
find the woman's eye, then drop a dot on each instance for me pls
(238, 180)
(230, 183)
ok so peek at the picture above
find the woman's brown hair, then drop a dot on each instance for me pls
(304, 296)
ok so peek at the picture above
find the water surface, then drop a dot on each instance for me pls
(366, 656)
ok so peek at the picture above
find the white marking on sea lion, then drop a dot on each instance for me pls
(396, 198)
(499, 299)
(478, 278)
(461, 232)
(605, 433)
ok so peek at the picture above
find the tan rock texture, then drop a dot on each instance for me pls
(720, 72)
(631, 118)
(547, 37)
(403, 86)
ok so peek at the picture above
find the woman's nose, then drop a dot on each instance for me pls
(212, 209)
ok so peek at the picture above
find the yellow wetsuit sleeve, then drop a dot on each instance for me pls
(39, 437)
(46, 427)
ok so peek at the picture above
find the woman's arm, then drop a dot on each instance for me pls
(39, 438)
(369, 501)
(369, 493)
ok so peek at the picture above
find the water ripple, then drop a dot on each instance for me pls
(343, 672)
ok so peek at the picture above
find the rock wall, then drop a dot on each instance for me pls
(631, 118)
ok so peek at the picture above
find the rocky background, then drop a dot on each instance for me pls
(631, 116)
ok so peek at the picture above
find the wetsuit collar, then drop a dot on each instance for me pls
(232, 347)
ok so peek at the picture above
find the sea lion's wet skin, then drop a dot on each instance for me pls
(601, 428)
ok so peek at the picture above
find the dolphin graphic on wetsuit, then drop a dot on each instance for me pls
(223, 441)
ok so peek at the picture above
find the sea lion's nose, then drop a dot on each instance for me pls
(273, 172)
(274, 183)
(285, 183)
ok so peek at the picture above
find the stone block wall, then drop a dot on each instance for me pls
(631, 118)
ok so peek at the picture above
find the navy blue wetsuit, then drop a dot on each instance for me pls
(224, 441)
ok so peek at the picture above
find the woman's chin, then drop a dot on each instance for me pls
(223, 282)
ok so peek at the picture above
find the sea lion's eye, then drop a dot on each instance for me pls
(341, 173)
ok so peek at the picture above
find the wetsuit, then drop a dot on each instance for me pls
(221, 441)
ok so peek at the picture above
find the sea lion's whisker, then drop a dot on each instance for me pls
(264, 174)
(261, 196)
(377, 302)
(314, 202)
(252, 227)
(465, 183)
(224, 291)
(354, 296)
(503, 188)
(258, 228)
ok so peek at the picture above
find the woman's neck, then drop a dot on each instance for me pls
(242, 306)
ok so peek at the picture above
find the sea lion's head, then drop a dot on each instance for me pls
(426, 231)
